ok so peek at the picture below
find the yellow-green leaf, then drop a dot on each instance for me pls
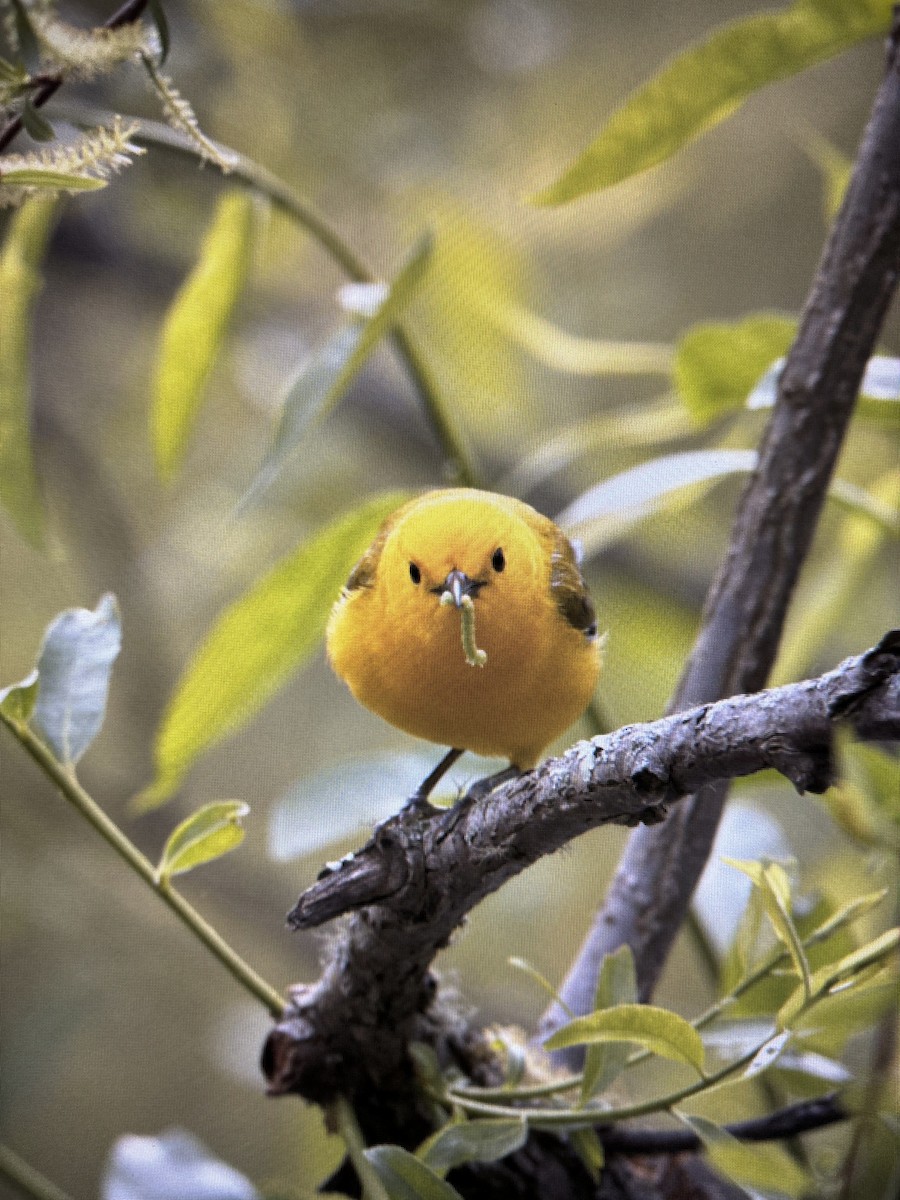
(846, 914)
(195, 327)
(829, 1024)
(327, 374)
(589, 1148)
(709, 82)
(259, 642)
(405, 1177)
(658, 1030)
(616, 984)
(774, 885)
(756, 1165)
(20, 282)
(51, 180)
(563, 351)
(206, 834)
(717, 364)
(842, 973)
(17, 701)
(472, 1141)
(835, 168)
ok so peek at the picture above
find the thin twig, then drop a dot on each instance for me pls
(26, 1179)
(126, 849)
(787, 1122)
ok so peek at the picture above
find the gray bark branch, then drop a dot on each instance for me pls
(418, 878)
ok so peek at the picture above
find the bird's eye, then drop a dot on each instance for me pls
(414, 573)
(498, 561)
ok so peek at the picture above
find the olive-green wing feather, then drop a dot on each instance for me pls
(568, 588)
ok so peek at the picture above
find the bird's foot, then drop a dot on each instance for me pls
(482, 787)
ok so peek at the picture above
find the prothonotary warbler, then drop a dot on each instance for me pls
(467, 622)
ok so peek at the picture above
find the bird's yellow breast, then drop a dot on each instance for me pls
(400, 650)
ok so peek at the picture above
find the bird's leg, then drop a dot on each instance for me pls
(481, 787)
(419, 798)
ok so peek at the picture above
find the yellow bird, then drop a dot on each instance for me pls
(467, 622)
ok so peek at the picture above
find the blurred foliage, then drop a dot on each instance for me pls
(575, 356)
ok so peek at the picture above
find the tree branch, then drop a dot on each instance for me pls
(416, 879)
(773, 529)
(786, 1122)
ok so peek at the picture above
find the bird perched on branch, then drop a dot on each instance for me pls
(467, 622)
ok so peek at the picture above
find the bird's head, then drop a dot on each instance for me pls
(466, 551)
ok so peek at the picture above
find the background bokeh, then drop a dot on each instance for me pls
(392, 116)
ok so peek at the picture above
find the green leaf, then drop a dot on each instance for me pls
(836, 975)
(606, 512)
(656, 1029)
(259, 642)
(17, 701)
(835, 168)
(206, 834)
(51, 180)
(616, 984)
(866, 802)
(563, 351)
(36, 124)
(323, 380)
(20, 282)
(774, 885)
(709, 82)
(472, 1141)
(406, 1177)
(829, 1024)
(846, 914)
(717, 364)
(858, 500)
(195, 327)
(757, 1165)
(589, 1148)
(738, 960)
(74, 665)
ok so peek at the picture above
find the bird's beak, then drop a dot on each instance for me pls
(458, 585)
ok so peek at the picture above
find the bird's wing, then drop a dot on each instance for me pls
(568, 588)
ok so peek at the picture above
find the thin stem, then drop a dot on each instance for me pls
(578, 1118)
(26, 1179)
(290, 202)
(775, 958)
(126, 849)
(348, 1127)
